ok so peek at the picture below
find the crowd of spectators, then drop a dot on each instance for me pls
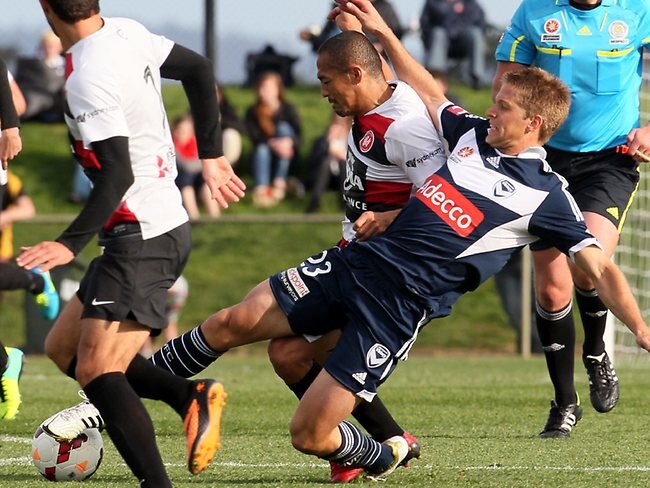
(451, 32)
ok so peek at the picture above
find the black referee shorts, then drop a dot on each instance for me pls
(602, 182)
(130, 280)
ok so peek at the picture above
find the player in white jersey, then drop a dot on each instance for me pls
(120, 134)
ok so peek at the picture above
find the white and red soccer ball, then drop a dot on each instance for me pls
(74, 460)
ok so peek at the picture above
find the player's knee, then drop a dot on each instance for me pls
(57, 352)
(289, 358)
(227, 328)
(554, 296)
(303, 437)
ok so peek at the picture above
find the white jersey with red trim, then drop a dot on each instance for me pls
(390, 149)
(113, 90)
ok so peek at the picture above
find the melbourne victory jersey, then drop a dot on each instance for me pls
(390, 149)
(113, 90)
(463, 224)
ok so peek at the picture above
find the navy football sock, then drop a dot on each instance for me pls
(360, 451)
(186, 355)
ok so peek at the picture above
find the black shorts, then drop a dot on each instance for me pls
(129, 281)
(602, 182)
(379, 322)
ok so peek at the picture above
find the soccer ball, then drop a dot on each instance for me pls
(74, 460)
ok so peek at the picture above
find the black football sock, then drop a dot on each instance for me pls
(558, 337)
(129, 426)
(377, 420)
(72, 369)
(360, 451)
(593, 313)
(186, 355)
(300, 387)
(154, 383)
(15, 278)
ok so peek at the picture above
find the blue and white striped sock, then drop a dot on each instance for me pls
(360, 451)
(186, 355)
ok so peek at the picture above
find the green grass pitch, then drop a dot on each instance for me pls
(476, 416)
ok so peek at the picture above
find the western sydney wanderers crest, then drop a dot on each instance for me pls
(366, 141)
(465, 152)
(552, 31)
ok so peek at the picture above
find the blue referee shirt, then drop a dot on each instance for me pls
(597, 53)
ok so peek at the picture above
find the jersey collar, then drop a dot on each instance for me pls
(533, 152)
(604, 3)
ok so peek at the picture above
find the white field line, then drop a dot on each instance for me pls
(26, 460)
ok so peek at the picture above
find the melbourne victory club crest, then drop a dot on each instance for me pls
(366, 141)
(551, 31)
(618, 31)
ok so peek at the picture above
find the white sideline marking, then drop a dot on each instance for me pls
(22, 461)
(547, 468)
(27, 460)
(11, 438)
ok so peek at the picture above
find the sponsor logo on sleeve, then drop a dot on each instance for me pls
(450, 205)
(85, 116)
(297, 283)
(415, 162)
(456, 110)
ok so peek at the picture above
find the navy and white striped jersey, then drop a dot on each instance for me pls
(463, 224)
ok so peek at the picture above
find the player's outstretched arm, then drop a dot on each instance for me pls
(10, 142)
(406, 67)
(614, 290)
(195, 73)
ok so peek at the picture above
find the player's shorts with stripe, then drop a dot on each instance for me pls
(602, 182)
(130, 279)
(379, 322)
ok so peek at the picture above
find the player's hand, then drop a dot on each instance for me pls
(365, 13)
(345, 21)
(10, 145)
(638, 143)
(46, 255)
(370, 224)
(643, 339)
(225, 186)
